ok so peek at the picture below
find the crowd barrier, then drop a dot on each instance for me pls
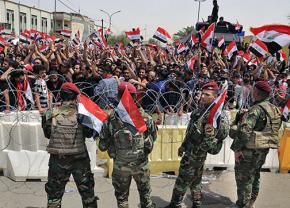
(22, 145)
(164, 156)
(284, 152)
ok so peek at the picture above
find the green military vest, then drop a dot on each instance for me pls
(267, 137)
(67, 136)
(128, 143)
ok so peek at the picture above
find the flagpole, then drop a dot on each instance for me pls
(198, 11)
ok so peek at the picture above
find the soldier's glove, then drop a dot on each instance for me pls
(239, 116)
(209, 130)
(181, 150)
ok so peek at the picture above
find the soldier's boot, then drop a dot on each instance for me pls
(153, 205)
(93, 204)
(196, 204)
(123, 205)
(53, 206)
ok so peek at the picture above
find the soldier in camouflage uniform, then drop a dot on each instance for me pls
(200, 139)
(129, 151)
(68, 152)
(255, 133)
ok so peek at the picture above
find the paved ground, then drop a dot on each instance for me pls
(219, 191)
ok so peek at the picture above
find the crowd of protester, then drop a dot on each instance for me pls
(31, 79)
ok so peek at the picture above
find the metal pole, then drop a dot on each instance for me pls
(102, 27)
(54, 18)
(198, 11)
(110, 19)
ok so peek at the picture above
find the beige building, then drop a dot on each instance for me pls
(16, 17)
(74, 22)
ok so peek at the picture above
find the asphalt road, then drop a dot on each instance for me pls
(218, 187)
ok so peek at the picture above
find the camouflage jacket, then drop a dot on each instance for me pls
(107, 139)
(200, 137)
(253, 120)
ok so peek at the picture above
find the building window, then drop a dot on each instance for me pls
(22, 22)
(10, 19)
(44, 24)
(33, 22)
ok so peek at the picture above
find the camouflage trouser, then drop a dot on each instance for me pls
(247, 174)
(190, 175)
(60, 169)
(121, 179)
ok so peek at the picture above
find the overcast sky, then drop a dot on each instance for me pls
(173, 15)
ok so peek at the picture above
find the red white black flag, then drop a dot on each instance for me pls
(162, 35)
(91, 115)
(274, 36)
(129, 112)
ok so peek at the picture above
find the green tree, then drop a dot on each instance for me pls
(183, 32)
(115, 39)
(153, 41)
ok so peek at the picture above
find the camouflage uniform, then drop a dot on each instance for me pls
(255, 134)
(127, 163)
(68, 155)
(199, 140)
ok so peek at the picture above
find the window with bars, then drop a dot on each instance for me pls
(44, 24)
(22, 21)
(10, 19)
(33, 22)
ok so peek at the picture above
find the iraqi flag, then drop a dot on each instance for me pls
(238, 26)
(162, 35)
(221, 42)
(181, 48)
(108, 32)
(134, 34)
(2, 44)
(217, 108)
(43, 48)
(66, 33)
(282, 55)
(129, 113)
(190, 63)
(286, 110)
(77, 39)
(274, 36)
(231, 49)
(193, 40)
(207, 38)
(24, 37)
(2, 31)
(27, 91)
(258, 48)
(248, 59)
(91, 115)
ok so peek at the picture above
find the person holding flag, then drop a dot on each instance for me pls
(255, 133)
(128, 136)
(207, 129)
(67, 148)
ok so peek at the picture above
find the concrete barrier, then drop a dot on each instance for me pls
(23, 145)
(164, 156)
